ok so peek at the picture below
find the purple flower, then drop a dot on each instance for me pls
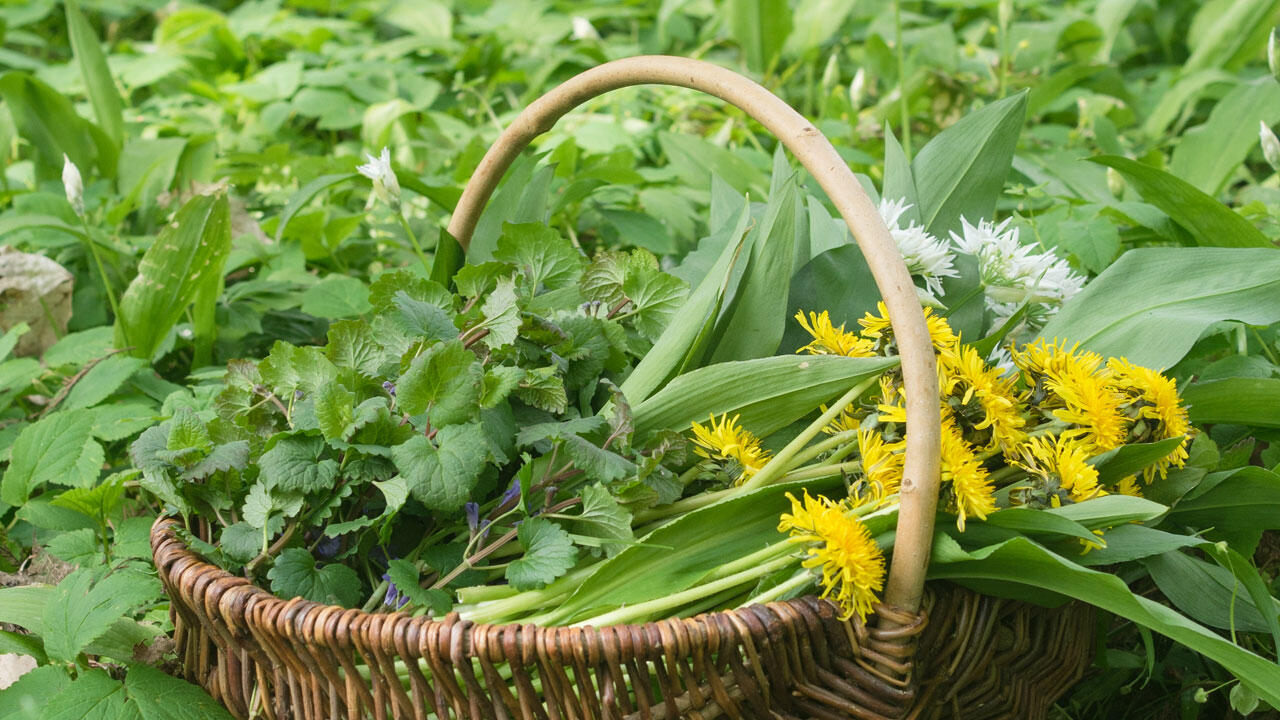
(393, 596)
(390, 387)
(297, 394)
(473, 515)
(512, 492)
(328, 547)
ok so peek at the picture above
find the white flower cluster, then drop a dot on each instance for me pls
(1011, 273)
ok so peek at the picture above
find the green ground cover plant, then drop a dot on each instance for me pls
(269, 337)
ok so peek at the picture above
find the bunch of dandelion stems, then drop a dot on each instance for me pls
(798, 460)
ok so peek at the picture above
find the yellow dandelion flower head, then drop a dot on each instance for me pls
(998, 409)
(881, 464)
(1154, 399)
(878, 328)
(831, 340)
(1129, 486)
(725, 440)
(1065, 460)
(971, 488)
(841, 547)
(846, 421)
(1040, 359)
(1093, 406)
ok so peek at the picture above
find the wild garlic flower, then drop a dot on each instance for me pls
(926, 255)
(583, 29)
(1270, 145)
(385, 184)
(1012, 272)
(73, 184)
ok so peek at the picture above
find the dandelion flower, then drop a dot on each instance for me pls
(1079, 392)
(831, 340)
(1129, 486)
(971, 489)
(725, 440)
(925, 255)
(1154, 399)
(1064, 460)
(881, 464)
(878, 328)
(839, 545)
(385, 184)
(999, 410)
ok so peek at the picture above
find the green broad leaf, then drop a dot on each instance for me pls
(427, 319)
(158, 696)
(17, 643)
(675, 556)
(78, 547)
(26, 698)
(293, 463)
(335, 412)
(93, 695)
(1208, 593)
(548, 554)
(305, 194)
(501, 314)
(186, 259)
(1238, 401)
(602, 279)
(187, 432)
(288, 369)
(99, 502)
(1207, 155)
(597, 463)
(961, 172)
(1226, 34)
(295, 574)
(1039, 522)
(58, 449)
(48, 121)
(521, 198)
(1246, 498)
(442, 475)
(899, 181)
(240, 541)
(9, 340)
(836, 280)
(336, 296)
(755, 318)
(682, 342)
(1210, 223)
(81, 608)
(1020, 561)
(1152, 304)
(655, 298)
(395, 492)
(602, 517)
(543, 388)
(103, 96)
(1109, 511)
(767, 393)
(499, 382)
(1115, 465)
(538, 432)
(407, 580)
(445, 382)
(120, 420)
(224, 457)
(1134, 542)
(546, 259)
(760, 29)
(24, 606)
(391, 284)
(353, 346)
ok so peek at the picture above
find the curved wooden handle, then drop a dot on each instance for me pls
(919, 492)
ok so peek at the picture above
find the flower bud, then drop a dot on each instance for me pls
(1115, 182)
(1270, 145)
(73, 184)
(830, 74)
(583, 29)
(1004, 13)
(1273, 55)
(385, 184)
(857, 88)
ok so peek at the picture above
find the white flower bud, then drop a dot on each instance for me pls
(858, 88)
(1270, 145)
(583, 29)
(830, 74)
(73, 184)
(1115, 182)
(385, 184)
(1004, 13)
(1273, 55)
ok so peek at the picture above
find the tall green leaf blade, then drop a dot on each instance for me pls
(961, 172)
(1226, 33)
(1239, 401)
(1210, 222)
(1153, 303)
(47, 120)
(107, 105)
(188, 254)
(760, 27)
(768, 393)
(1023, 562)
(1207, 155)
(899, 181)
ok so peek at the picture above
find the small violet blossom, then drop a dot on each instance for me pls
(73, 184)
(385, 184)
(393, 598)
(473, 515)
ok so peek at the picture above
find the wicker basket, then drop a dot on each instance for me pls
(945, 653)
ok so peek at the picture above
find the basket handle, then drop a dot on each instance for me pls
(919, 491)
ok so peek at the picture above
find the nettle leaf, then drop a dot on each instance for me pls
(145, 453)
(501, 314)
(541, 253)
(58, 449)
(295, 574)
(265, 508)
(288, 368)
(240, 541)
(602, 517)
(423, 318)
(596, 462)
(655, 298)
(548, 554)
(543, 388)
(233, 455)
(442, 477)
(187, 433)
(335, 412)
(499, 381)
(293, 464)
(82, 609)
(161, 697)
(446, 380)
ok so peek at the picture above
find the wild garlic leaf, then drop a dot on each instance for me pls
(58, 449)
(442, 475)
(543, 388)
(542, 254)
(596, 462)
(295, 574)
(294, 463)
(548, 554)
(335, 412)
(446, 379)
(602, 517)
(501, 315)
